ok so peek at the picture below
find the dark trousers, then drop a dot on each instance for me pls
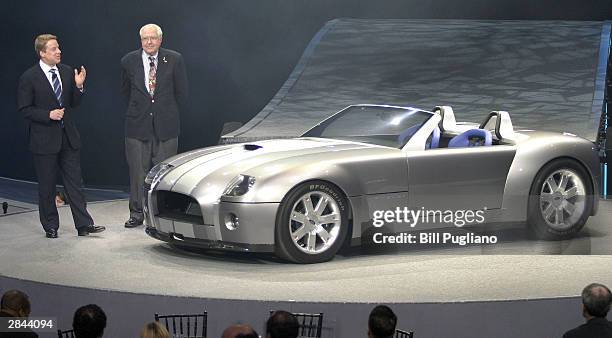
(141, 157)
(68, 162)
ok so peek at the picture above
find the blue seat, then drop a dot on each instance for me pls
(408, 133)
(471, 138)
(435, 139)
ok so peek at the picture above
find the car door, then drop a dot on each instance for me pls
(458, 179)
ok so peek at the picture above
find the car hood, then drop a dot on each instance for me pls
(205, 173)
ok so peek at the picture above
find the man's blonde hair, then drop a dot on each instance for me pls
(40, 43)
(154, 330)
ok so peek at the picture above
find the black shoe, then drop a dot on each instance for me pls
(133, 222)
(51, 233)
(92, 229)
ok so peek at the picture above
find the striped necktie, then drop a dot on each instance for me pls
(57, 87)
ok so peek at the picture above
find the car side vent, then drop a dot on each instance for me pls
(252, 147)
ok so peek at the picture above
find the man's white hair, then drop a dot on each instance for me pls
(151, 25)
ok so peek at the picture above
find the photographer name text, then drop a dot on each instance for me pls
(433, 238)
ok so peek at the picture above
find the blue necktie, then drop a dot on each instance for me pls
(57, 88)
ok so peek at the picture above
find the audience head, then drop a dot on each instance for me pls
(15, 303)
(89, 321)
(247, 335)
(381, 323)
(596, 300)
(282, 324)
(154, 330)
(239, 331)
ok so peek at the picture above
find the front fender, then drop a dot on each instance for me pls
(367, 171)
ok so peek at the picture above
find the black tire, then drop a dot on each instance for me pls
(303, 249)
(550, 214)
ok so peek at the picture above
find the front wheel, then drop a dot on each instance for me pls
(560, 201)
(312, 223)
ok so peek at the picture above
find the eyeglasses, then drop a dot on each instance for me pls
(149, 38)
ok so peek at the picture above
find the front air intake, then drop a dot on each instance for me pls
(178, 207)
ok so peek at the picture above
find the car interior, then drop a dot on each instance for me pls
(496, 129)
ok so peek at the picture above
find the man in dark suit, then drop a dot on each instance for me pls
(154, 83)
(596, 299)
(47, 94)
(16, 304)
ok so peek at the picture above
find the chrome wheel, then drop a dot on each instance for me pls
(315, 222)
(562, 199)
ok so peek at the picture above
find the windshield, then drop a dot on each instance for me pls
(381, 125)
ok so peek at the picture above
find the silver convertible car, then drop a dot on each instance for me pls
(360, 170)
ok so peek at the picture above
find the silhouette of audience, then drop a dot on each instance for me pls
(89, 322)
(596, 299)
(239, 331)
(282, 324)
(154, 330)
(382, 322)
(15, 303)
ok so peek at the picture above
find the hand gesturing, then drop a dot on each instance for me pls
(79, 77)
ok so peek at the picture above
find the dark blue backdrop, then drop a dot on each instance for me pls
(238, 53)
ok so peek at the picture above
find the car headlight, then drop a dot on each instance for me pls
(239, 186)
(157, 172)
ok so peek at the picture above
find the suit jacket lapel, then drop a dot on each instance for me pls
(139, 75)
(162, 67)
(66, 83)
(43, 78)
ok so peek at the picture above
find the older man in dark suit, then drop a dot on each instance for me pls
(154, 83)
(596, 301)
(47, 94)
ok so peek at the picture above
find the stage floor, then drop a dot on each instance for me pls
(128, 260)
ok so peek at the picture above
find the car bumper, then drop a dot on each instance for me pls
(178, 239)
(255, 231)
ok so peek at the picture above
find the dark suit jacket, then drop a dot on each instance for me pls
(162, 111)
(594, 328)
(35, 99)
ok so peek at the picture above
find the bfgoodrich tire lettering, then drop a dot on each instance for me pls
(560, 200)
(312, 223)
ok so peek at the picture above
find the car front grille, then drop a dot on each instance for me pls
(178, 207)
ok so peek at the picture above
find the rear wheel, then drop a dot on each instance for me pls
(560, 201)
(312, 223)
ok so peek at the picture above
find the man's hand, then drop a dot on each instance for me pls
(79, 77)
(56, 114)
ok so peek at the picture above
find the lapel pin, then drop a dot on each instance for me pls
(164, 59)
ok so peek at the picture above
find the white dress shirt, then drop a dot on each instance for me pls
(46, 69)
